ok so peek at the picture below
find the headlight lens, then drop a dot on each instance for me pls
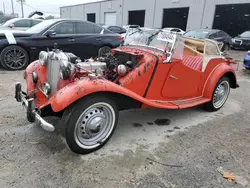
(46, 88)
(43, 57)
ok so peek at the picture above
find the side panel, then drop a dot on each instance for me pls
(81, 88)
(138, 79)
(182, 82)
(214, 77)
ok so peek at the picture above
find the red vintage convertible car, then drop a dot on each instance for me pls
(152, 69)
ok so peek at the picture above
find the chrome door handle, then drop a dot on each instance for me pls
(98, 39)
(173, 77)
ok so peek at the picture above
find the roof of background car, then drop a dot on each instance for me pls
(17, 19)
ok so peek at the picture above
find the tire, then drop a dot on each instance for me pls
(215, 105)
(86, 128)
(14, 58)
(104, 50)
(226, 47)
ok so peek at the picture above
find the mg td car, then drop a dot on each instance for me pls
(152, 69)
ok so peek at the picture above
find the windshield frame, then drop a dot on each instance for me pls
(156, 33)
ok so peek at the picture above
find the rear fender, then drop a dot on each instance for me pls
(219, 71)
(81, 88)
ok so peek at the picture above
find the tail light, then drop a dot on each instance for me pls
(120, 38)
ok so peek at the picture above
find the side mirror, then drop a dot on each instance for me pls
(11, 25)
(50, 33)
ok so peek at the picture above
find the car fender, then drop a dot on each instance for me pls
(81, 88)
(215, 75)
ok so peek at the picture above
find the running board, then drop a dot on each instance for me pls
(190, 102)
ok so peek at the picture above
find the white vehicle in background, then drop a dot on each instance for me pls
(174, 30)
(20, 23)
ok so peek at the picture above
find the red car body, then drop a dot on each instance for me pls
(180, 79)
(150, 83)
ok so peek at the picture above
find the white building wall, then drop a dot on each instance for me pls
(201, 12)
(112, 6)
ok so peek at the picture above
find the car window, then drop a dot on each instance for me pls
(200, 34)
(23, 23)
(114, 28)
(213, 35)
(82, 27)
(64, 28)
(245, 34)
(97, 29)
(34, 22)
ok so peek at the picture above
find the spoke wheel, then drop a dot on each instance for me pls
(14, 58)
(90, 123)
(221, 93)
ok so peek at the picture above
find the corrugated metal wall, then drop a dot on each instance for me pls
(201, 12)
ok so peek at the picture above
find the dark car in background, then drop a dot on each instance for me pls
(115, 29)
(213, 34)
(242, 41)
(84, 39)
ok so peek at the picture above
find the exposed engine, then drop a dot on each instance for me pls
(67, 66)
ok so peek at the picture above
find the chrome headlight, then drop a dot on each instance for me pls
(46, 89)
(66, 69)
(43, 57)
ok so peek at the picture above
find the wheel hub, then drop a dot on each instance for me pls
(221, 94)
(92, 123)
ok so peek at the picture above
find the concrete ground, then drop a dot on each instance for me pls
(141, 154)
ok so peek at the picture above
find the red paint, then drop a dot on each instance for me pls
(152, 82)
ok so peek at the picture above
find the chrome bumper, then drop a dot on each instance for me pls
(32, 114)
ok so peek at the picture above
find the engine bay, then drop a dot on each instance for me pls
(110, 66)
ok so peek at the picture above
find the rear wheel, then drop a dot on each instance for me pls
(226, 47)
(90, 124)
(220, 95)
(14, 58)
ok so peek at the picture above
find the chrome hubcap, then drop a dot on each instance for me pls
(221, 93)
(15, 58)
(94, 125)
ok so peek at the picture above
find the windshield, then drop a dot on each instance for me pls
(246, 34)
(41, 26)
(154, 38)
(200, 34)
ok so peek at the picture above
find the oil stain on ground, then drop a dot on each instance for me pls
(162, 122)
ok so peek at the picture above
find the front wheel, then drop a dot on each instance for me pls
(90, 123)
(220, 95)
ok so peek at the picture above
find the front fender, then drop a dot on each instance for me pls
(218, 72)
(81, 88)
